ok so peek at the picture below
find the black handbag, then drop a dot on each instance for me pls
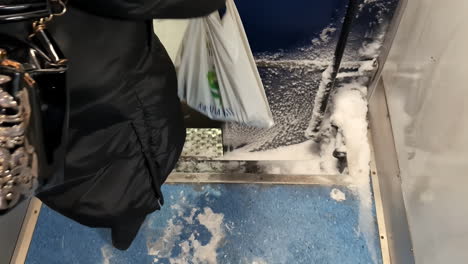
(33, 99)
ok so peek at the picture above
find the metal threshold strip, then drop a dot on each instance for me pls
(249, 178)
(209, 170)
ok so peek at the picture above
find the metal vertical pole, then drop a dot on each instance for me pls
(322, 106)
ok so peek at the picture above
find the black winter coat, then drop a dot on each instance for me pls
(126, 127)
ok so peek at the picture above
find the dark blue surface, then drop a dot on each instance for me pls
(275, 224)
(277, 24)
(287, 28)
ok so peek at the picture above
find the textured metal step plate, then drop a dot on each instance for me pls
(203, 142)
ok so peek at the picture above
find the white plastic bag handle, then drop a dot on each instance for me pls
(225, 24)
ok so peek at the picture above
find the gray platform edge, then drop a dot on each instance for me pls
(27, 231)
(389, 181)
(10, 229)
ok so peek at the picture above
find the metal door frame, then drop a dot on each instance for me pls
(389, 182)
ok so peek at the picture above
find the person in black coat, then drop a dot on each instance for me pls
(126, 129)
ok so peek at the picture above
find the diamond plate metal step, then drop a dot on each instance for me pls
(203, 143)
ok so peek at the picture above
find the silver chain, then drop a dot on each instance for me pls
(18, 171)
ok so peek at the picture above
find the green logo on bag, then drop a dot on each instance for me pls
(214, 86)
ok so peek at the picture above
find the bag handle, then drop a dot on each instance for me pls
(59, 8)
(23, 10)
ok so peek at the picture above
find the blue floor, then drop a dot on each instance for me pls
(222, 224)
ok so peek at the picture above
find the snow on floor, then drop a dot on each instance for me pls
(220, 224)
(350, 115)
(233, 223)
(325, 36)
(304, 158)
(192, 250)
(337, 195)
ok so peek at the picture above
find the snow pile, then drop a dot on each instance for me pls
(337, 195)
(304, 158)
(350, 115)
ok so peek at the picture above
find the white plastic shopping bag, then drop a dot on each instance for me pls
(217, 72)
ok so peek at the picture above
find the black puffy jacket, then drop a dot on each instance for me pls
(126, 127)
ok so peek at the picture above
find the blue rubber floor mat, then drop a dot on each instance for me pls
(222, 224)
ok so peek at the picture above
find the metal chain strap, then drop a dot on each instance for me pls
(18, 173)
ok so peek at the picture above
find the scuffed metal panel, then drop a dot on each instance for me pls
(425, 79)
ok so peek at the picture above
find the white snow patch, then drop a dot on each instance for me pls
(184, 256)
(178, 208)
(337, 195)
(303, 151)
(324, 35)
(294, 159)
(367, 66)
(162, 248)
(316, 115)
(214, 223)
(192, 251)
(346, 74)
(259, 261)
(185, 218)
(372, 49)
(190, 218)
(366, 3)
(106, 252)
(350, 115)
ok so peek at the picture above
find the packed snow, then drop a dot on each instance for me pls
(191, 250)
(337, 195)
(325, 36)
